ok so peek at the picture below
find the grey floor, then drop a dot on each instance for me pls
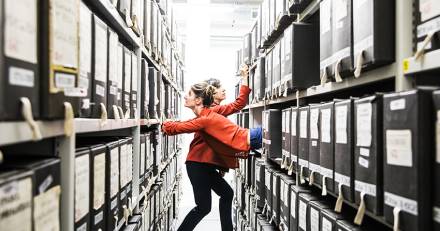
(212, 221)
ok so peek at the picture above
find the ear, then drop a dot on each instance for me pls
(198, 101)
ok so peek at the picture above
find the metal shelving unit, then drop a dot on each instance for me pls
(16, 132)
(427, 62)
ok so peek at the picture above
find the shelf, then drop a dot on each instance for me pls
(94, 125)
(115, 21)
(19, 131)
(148, 55)
(427, 62)
(149, 122)
(255, 105)
(310, 10)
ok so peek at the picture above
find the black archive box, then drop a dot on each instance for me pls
(368, 161)
(147, 23)
(145, 89)
(19, 200)
(97, 189)
(123, 178)
(272, 133)
(263, 225)
(82, 189)
(247, 48)
(295, 191)
(113, 75)
(303, 143)
(126, 87)
(112, 185)
(286, 131)
(120, 76)
(342, 38)
(268, 182)
(19, 60)
(375, 42)
(134, 85)
(346, 225)
(326, 151)
(276, 199)
(304, 200)
(85, 60)
(328, 219)
(260, 186)
(152, 81)
(285, 205)
(276, 71)
(160, 90)
(46, 189)
(99, 67)
(326, 49)
(408, 157)
(268, 76)
(314, 144)
(436, 171)
(301, 59)
(344, 148)
(294, 134)
(142, 162)
(59, 63)
(255, 41)
(314, 213)
(154, 25)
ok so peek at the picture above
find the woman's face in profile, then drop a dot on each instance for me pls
(190, 99)
(220, 94)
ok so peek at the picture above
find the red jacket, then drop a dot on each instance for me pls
(201, 151)
(218, 132)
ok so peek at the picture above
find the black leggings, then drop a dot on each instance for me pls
(205, 178)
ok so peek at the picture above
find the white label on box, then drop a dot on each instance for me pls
(16, 205)
(98, 181)
(64, 32)
(282, 187)
(284, 122)
(303, 124)
(113, 56)
(100, 52)
(363, 162)
(398, 104)
(326, 225)
(314, 143)
(367, 188)
(429, 9)
(326, 172)
(341, 124)
(82, 176)
(302, 213)
(85, 41)
(399, 147)
(127, 71)
(304, 163)
(325, 15)
(21, 77)
(100, 90)
(358, 3)
(314, 116)
(325, 125)
(314, 219)
(314, 167)
(83, 227)
(293, 204)
(342, 179)
(114, 171)
(286, 195)
(293, 129)
(45, 184)
(288, 122)
(257, 171)
(142, 158)
(47, 210)
(20, 30)
(83, 82)
(363, 124)
(405, 204)
(113, 90)
(364, 152)
(267, 180)
(129, 162)
(436, 212)
(64, 80)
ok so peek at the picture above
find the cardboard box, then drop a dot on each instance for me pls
(272, 134)
(295, 191)
(285, 185)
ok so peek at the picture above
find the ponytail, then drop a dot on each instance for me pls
(204, 91)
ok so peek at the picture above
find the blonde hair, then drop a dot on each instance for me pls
(204, 91)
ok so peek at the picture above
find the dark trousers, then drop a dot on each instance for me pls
(205, 178)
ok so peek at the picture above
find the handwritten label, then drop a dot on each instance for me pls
(47, 210)
(98, 181)
(363, 124)
(341, 124)
(399, 147)
(16, 205)
(82, 184)
(85, 41)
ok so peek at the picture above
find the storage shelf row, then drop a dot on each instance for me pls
(426, 62)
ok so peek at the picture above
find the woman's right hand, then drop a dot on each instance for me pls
(244, 73)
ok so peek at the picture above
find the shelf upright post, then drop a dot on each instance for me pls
(136, 134)
(404, 35)
(66, 151)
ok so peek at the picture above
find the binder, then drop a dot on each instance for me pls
(369, 152)
(303, 143)
(295, 191)
(19, 200)
(286, 120)
(152, 85)
(99, 67)
(112, 74)
(327, 146)
(304, 211)
(285, 204)
(123, 178)
(260, 183)
(46, 191)
(112, 185)
(120, 74)
(314, 144)
(97, 189)
(314, 209)
(408, 156)
(159, 94)
(301, 57)
(294, 139)
(19, 59)
(276, 182)
(142, 161)
(376, 42)
(328, 219)
(326, 39)
(268, 76)
(344, 148)
(134, 85)
(82, 189)
(58, 57)
(272, 134)
(268, 181)
(145, 89)
(126, 87)
(85, 60)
